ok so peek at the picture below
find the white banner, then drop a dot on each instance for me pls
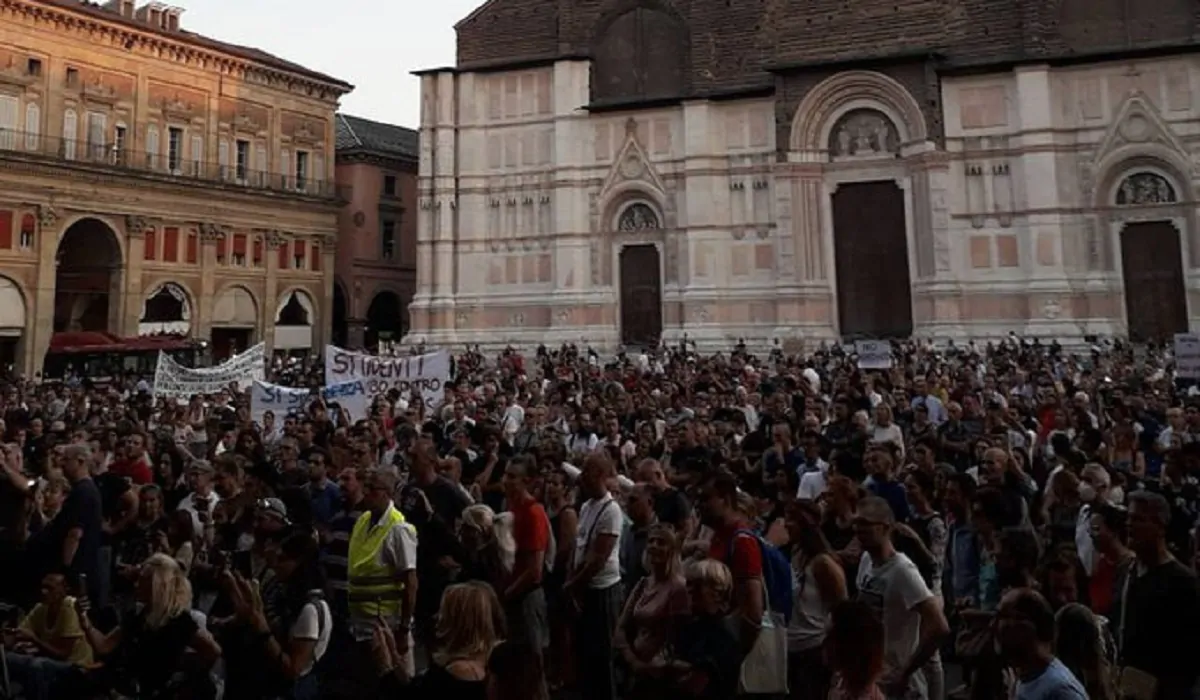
(280, 400)
(1187, 355)
(426, 373)
(351, 396)
(172, 379)
(873, 354)
(284, 400)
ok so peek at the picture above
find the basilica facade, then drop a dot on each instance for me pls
(615, 172)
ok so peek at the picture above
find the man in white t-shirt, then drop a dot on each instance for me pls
(594, 583)
(913, 623)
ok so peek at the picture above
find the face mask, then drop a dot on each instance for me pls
(1087, 493)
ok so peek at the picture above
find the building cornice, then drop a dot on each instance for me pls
(358, 156)
(183, 48)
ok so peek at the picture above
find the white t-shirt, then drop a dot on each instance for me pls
(307, 626)
(894, 589)
(601, 516)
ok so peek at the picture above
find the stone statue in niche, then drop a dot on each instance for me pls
(638, 217)
(1145, 188)
(863, 132)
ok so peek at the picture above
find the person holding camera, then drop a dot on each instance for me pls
(48, 645)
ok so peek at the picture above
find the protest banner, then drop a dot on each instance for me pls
(873, 354)
(426, 374)
(1187, 355)
(284, 400)
(173, 380)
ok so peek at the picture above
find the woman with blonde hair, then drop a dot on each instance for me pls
(491, 549)
(150, 645)
(655, 608)
(470, 623)
(704, 659)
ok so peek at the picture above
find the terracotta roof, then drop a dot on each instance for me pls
(244, 52)
(356, 133)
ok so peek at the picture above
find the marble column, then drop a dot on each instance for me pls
(134, 293)
(266, 311)
(42, 307)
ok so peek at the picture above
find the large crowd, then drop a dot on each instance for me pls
(1009, 519)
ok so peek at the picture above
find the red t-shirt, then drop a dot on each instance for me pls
(746, 560)
(531, 527)
(137, 471)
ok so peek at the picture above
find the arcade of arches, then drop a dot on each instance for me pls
(106, 290)
(385, 319)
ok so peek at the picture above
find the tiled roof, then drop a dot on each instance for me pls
(356, 133)
(245, 52)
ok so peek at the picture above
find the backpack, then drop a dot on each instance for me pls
(776, 572)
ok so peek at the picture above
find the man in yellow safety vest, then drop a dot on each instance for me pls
(382, 566)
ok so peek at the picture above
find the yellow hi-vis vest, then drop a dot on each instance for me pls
(374, 590)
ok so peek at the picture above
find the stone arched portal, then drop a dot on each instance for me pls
(88, 280)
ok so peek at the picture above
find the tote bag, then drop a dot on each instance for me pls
(764, 670)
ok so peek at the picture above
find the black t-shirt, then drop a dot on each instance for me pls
(1161, 627)
(82, 509)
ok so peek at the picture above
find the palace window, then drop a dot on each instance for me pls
(387, 240)
(301, 170)
(389, 185)
(174, 149)
(242, 162)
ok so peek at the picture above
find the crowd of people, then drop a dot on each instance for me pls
(660, 524)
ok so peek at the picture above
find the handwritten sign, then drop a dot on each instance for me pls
(280, 400)
(351, 396)
(873, 354)
(425, 374)
(1187, 355)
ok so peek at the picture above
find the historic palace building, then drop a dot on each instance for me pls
(617, 170)
(156, 181)
(376, 273)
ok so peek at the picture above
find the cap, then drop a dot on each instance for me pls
(201, 465)
(273, 506)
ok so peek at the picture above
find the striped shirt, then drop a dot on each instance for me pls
(337, 548)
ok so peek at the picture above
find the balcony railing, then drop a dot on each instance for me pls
(128, 160)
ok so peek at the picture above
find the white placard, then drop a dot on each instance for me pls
(173, 380)
(426, 373)
(1187, 355)
(351, 396)
(280, 400)
(873, 354)
(285, 400)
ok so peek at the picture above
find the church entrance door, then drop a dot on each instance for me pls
(1152, 271)
(870, 248)
(641, 295)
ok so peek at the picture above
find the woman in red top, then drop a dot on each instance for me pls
(1111, 559)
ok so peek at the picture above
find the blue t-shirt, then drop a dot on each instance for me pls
(1056, 682)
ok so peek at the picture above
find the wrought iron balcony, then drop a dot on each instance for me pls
(125, 160)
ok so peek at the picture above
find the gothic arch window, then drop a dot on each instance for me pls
(862, 133)
(640, 55)
(638, 217)
(1145, 188)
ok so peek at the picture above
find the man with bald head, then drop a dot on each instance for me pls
(891, 584)
(670, 505)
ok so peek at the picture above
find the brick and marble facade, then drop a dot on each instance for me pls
(1017, 183)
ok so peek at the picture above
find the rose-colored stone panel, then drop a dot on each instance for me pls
(1008, 253)
(981, 252)
(1047, 249)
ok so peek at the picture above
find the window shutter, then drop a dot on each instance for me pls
(197, 155)
(316, 258)
(299, 253)
(170, 244)
(33, 126)
(70, 133)
(193, 248)
(221, 249)
(258, 251)
(239, 244)
(283, 256)
(152, 146)
(260, 163)
(6, 230)
(151, 238)
(9, 111)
